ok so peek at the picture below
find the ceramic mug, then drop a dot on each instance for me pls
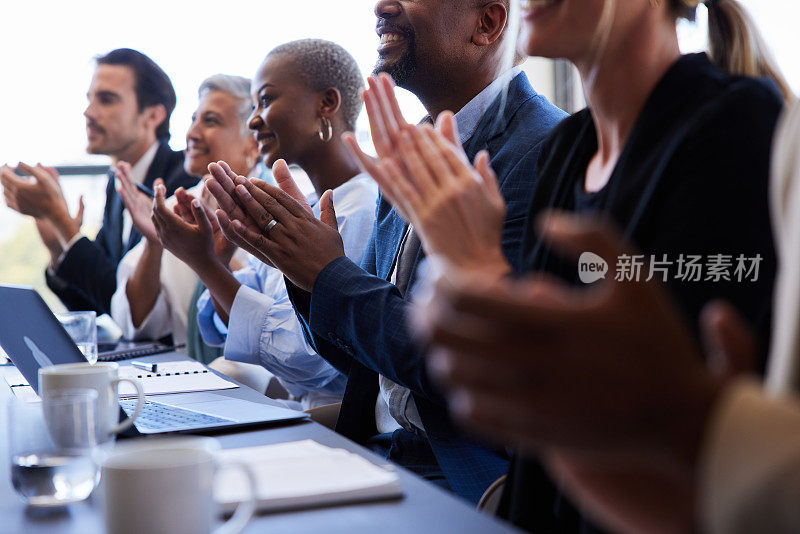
(102, 377)
(165, 485)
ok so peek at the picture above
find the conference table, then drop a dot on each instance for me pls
(424, 508)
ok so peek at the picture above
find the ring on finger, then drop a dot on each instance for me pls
(270, 225)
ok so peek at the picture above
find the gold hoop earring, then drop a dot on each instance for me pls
(325, 130)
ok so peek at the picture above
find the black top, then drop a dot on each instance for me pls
(692, 179)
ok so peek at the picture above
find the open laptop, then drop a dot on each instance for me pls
(33, 337)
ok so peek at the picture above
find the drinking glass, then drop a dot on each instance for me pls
(50, 447)
(82, 328)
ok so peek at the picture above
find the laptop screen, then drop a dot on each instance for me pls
(31, 335)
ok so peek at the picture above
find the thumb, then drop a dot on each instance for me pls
(285, 181)
(158, 181)
(728, 340)
(327, 213)
(201, 217)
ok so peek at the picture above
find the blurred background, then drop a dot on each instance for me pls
(46, 65)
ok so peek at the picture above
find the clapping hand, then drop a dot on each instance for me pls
(277, 225)
(223, 248)
(609, 368)
(456, 209)
(191, 241)
(38, 195)
(139, 205)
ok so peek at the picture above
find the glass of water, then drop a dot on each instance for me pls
(82, 328)
(51, 445)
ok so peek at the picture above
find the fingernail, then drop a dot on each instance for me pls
(196, 203)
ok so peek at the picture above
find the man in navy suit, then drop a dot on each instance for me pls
(448, 53)
(127, 118)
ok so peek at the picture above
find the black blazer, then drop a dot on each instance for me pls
(86, 279)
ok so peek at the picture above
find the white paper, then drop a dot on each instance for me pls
(25, 394)
(172, 377)
(14, 377)
(303, 474)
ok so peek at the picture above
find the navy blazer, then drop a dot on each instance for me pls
(357, 320)
(86, 279)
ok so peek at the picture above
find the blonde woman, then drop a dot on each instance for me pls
(674, 149)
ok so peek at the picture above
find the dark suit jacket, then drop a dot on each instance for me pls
(357, 320)
(86, 279)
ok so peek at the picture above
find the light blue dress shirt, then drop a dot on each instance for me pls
(263, 328)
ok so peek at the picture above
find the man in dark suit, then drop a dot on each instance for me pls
(127, 118)
(449, 53)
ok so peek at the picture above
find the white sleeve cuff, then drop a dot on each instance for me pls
(245, 325)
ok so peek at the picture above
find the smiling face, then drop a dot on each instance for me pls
(286, 119)
(216, 134)
(114, 122)
(421, 39)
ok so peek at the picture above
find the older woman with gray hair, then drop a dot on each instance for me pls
(155, 290)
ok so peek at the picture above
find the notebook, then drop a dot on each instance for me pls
(303, 474)
(172, 377)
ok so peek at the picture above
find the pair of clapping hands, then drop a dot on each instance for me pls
(188, 229)
(274, 224)
(455, 207)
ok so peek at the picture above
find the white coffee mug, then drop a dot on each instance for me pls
(103, 378)
(165, 485)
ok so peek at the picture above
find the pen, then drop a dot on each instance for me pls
(149, 367)
(146, 190)
(141, 187)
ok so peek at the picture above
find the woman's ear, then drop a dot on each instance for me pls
(330, 103)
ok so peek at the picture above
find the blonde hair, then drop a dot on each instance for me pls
(735, 44)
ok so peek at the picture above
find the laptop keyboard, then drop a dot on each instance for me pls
(163, 417)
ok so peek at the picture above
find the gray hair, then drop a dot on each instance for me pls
(239, 88)
(324, 64)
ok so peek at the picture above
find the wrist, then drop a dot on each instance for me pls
(153, 249)
(311, 279)
(209, 268)
(65, 226)
(490, 265)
